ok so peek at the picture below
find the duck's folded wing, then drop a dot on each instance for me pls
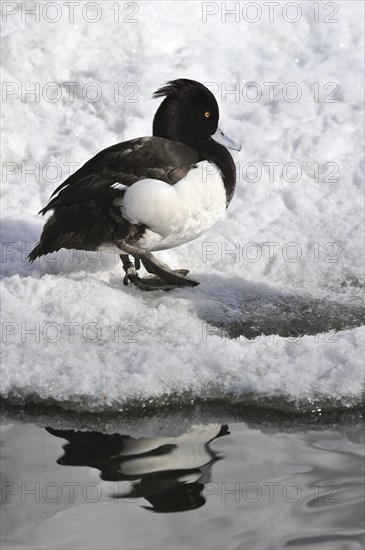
(111, 171)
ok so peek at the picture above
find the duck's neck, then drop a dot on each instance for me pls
(169, 124)
(221, 157)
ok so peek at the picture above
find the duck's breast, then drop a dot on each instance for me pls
(176, 214)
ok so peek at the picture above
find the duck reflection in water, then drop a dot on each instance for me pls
(169, 472)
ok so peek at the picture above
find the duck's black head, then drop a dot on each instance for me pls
(189, 114)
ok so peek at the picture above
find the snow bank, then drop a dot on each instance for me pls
(287, 260)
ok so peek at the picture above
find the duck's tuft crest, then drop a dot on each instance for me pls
(180, 87)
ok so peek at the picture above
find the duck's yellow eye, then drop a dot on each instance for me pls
(207, 114)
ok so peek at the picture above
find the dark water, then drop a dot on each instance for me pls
(188, 483)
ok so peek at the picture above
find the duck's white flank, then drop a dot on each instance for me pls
(175, 214)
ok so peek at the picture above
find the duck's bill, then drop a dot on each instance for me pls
(220, 137)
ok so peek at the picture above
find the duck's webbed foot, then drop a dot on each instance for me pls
(151, 282)
(162, 278)
(131, 274)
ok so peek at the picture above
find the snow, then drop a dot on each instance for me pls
(289, 252)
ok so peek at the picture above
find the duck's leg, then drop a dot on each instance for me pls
(148, 265)
(129, 268)
(167, 276)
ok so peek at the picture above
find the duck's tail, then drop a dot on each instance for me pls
(75, 226)
(47, 245)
